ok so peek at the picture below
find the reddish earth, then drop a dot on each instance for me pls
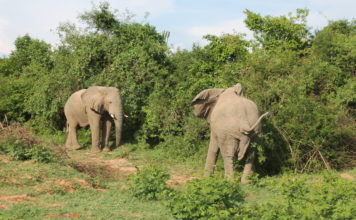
(347, 176)
(3, 206)
(178, 180)
(95, 165)
(67, 215)
(15, 198)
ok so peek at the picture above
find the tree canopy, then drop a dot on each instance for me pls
(307, 79)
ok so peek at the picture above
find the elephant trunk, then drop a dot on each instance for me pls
(118, 131)
(257, 122)
(118, 126)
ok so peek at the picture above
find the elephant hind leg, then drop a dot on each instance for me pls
(228, 150)
(212, 155)
(72, 141)
(248, 168)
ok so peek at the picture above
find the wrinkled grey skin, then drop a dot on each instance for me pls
(99, 107)
(233, 120)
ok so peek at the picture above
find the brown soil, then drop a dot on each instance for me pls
(17, 131)
(54, 205)
(95, 165)
(178, 180)
(67, 215)
(347, 176)
(14, 199)
(3, 206)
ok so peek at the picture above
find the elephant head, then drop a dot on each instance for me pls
(205, 101)
(103, 100)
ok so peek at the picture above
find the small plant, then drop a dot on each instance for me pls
(19, 149)
(150, 183)
(208, 198)
(41, 154)
(325, 197)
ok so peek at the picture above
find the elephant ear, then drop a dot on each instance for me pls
(205, 101)
(93, 98)
(238, 89)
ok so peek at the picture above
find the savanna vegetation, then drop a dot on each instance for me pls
(307, 78)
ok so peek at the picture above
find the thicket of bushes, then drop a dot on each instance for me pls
(307, 79)
(325, 196)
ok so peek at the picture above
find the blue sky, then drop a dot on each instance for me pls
(186, 20)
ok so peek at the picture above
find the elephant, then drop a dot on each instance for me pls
(98, 107)
(233, 121)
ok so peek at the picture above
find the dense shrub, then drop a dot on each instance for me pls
(207, 198)
(150, 183)
(324, 196)
(307, 79)
(20, 149)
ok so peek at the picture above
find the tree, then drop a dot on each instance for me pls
(287, 32)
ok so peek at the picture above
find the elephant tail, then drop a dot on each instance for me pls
(257, 122)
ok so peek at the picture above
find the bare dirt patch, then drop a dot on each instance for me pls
(176, 180)
(14, 199)
(96, 166)
(347, 176)
(3, 206)
(67, 215)
(56, 205)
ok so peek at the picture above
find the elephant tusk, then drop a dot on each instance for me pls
(126, 116)
(113, 116)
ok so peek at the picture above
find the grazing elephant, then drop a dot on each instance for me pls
(233, 120)
(98, 107)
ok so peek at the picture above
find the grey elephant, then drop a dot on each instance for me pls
(233, 120)
(97, 107)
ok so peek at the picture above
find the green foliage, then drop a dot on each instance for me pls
(208, 198)
(324, 197)
(308, 81)
(20, 149)
(150, 183)
(288, 32)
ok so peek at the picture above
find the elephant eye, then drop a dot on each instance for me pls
(110, 102)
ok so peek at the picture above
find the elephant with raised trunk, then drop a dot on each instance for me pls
(99, 107)
(233, 120)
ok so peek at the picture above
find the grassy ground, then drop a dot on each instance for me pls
(30, 190)
(83, 185)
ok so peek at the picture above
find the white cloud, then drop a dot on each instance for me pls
(5, 46)
(317, 20)
(334, 10)
(225, 27)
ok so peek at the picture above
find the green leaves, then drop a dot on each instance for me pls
(150, 183)
(287, 32)
(207, 198)
(19, 149)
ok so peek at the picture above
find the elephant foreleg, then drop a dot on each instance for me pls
(72, 141)
(95, 129)
(212, 155)
(228, 152)
(105, 134)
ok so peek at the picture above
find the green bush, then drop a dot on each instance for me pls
(208, 198)
(150, 183)
(302, 197)
(20, 149)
